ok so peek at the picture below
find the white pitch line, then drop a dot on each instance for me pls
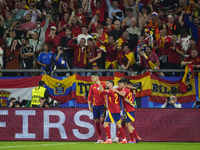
(34, 145)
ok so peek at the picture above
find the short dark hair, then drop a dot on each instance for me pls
(79, 7)
(150, 47)
(111, 81)
(115, 1)
(125, 44)
(121, 81)
(193, 38)
(183, 32)
(194, 49)
(39, 19)
(111, 36)
(11, 99)
(25, 38)
(95, 74)
(98, 1)
(84, 26)
(129, 9)
(41, 83)
(83, 39)
(125, 79)
(68, 28)
(42, 98)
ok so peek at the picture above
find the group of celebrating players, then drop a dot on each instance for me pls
(97, 97)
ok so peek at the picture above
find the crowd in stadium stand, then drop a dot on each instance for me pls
(133, 35)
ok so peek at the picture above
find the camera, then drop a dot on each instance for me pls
(18, 23)
(10, 58)
(53, 103)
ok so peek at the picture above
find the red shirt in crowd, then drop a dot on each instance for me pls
(190, 48)
(54, 42)
(163, 45)
(195, 61)
(63, 31)
(153, 58)
(99, 11)
(48, 29)
(173, 56)
(107, 31)
(111, 52)
(129, 96)
(80, 55)
(98, 97)
(82, 17)
(93, 28)
(112, 101)
(76, 30)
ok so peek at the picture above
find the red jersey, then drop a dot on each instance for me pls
(99, 11)
(48, 29)
(173, 56)
(76, 30)
(163, 45)
(195, 61)
(108, 31)
(98, 97)
(82, 17)
(80, 55)
(190, 48)
(112, 101)
(129, 96)
(94, 28)
(111, 52)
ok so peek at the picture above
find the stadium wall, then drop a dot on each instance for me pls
(75, 124)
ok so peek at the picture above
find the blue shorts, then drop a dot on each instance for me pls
(129, 116)
(113, 117)
(99, 111)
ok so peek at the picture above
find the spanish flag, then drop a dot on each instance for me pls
(186, 78)
(120, 41)
(151, 64)
(114, 64)
(130, 57)
(104, 38)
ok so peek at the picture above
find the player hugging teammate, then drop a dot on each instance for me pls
(124, 91)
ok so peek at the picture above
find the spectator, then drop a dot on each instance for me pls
(149, 60)
(181, 8)
(192, 44)
(174, 54)
(12, 56)
(171, 26)
(111, 54)
(64, 43)
(113, 11)
(28, 25)
(161, 16)
(13, 103)
(156, 5)
(8, 20)
(45, 58)
(64, 9)
(93, 25)
(141, 42)
(84, 34)
(24, 5)
(60, 60)
(80, 55)
(37, 47)
(27, 55)
(99, 10)
(194, 59)
(172, 103)
(75, 23)
(183, 24)
(41, 30)
(184, 40)
(62, 25)
(1, 26)
(51, 23)
(143, 16)
(94, 55)
(18, 12)
(2, 10)
(9, 4)
(109, 26)
(17, 26)
(53, 39)
(126, 23)
(122, 40)
(9, 36)
(101, 35)
(80, 13)
(117, 32)
(134, 29)
(131, 5)
(51, 10)
(35, 13)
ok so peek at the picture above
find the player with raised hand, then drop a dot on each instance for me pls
(98, 108)
(113, 111)
(128, 109)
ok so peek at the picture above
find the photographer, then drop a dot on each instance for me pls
(43, 102)
(171, 102)
(61, 60)
(14, 103)
(37, 93)
(48, 103)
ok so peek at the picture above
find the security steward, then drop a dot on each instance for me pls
(37, 93)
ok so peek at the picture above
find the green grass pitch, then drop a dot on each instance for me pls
(92, 146)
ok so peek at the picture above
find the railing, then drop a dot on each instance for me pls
(22, 70)
(89, 70)
(166, 70)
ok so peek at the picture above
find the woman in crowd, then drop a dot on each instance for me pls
(75, 23)
(62, 25)
(45, 59)
(13, 56)
(93, 24)
(60, 60)
(109, 26)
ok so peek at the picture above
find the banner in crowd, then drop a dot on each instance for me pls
(83, 86)
(161, 89)
(61, 90)
(77, 124)
(17, 88)
(142, 81)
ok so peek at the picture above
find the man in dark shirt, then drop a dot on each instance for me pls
(63, 42)
(117, 32)
(27, 55)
